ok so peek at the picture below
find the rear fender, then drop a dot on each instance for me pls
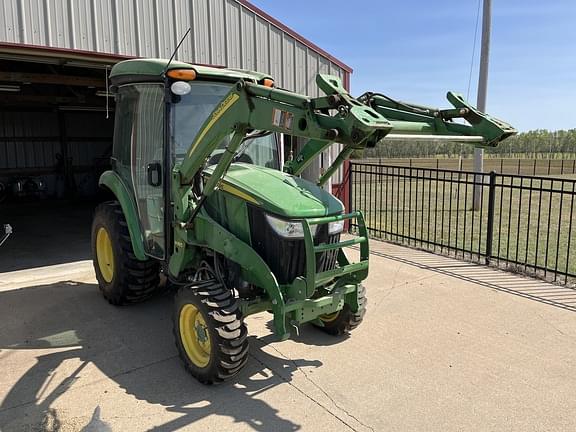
(114, 183)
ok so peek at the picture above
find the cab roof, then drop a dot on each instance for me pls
(139, 70)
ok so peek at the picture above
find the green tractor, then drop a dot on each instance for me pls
(201, 198)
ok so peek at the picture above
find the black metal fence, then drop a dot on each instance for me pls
(523, 223)
(520, 165)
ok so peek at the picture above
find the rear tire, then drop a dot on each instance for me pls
(344, 321)
(122, 278)
(210, 333)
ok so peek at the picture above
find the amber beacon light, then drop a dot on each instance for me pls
(182, 74)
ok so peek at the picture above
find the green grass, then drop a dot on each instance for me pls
(532, 227)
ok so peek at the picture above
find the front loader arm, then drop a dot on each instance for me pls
(421, 122)
(407, 121)
(251, 107)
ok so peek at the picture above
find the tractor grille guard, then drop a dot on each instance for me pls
(287, 257)
(355, 272)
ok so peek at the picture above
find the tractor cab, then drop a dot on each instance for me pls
(140, 157)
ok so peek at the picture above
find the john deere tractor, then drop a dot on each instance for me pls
(201, 198)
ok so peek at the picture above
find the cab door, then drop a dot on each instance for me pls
(147, 163)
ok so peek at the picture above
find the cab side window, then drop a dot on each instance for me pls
(126, 100)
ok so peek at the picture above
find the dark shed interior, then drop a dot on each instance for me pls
(56, 127)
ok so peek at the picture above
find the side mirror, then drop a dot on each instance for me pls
(154, 171)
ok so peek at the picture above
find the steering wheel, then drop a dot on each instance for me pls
(215, 158)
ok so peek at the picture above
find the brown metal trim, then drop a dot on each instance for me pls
(346, 81)
(63, 53)
(66, 54)
(52, 79)
(20, 99)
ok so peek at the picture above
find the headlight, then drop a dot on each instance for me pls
(288, 229)
(335, 227)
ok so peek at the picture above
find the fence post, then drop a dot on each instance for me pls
(348, 176)
(350, 166)
(490, 227)
(478, 178)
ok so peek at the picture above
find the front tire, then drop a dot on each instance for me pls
(122, 278)
(344, 321)
(210, 333)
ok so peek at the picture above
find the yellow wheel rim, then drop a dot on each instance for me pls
(329, 317)
(194, 335)
(105, 254)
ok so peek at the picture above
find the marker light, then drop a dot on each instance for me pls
(267, 82)
(182, 74)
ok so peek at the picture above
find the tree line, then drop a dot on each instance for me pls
(535, 144)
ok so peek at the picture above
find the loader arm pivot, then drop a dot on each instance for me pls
(250, 107)
(338, 99)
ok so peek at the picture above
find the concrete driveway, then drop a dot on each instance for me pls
(446, 346)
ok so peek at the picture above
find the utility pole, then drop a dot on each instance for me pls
(481, 101)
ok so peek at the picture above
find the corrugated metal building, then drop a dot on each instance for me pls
(231, 33)
(79, 38)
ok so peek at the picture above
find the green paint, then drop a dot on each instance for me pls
(249, 106)
(155, 67)
(281, 193)
(309, 309)
(207, 233)
(416, 119)
(114, 183)
(217, 220)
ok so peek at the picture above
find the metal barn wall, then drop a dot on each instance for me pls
(28, 140)
(231, 33)
(224, 32)
(31, 141)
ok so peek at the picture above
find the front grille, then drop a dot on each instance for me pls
(287, 258)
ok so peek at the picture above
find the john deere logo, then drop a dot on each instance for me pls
(226, 103)
(222, 108)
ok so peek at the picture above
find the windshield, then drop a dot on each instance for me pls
(189, 113)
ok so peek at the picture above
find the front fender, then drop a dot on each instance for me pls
(116, 185)
(208, 233)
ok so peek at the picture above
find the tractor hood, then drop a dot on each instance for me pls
(277, 192)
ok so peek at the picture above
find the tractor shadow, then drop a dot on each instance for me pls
(308, 334)
(72, 331)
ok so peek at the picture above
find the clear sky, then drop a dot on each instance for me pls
(416, 50)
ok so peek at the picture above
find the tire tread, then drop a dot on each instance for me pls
(136, 280)
(229, 333)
